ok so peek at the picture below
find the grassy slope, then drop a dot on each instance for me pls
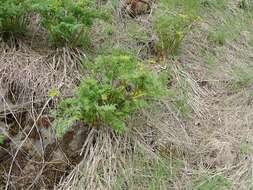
(219, 59)
(212, 148)
(201, 140)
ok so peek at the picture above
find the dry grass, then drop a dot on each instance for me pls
(113, 161)
(225, 125)
(215, 140)
(27, 76)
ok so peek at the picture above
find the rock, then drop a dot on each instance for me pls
(244, 37)
(72, 142)
(205, 27)
(137, 7)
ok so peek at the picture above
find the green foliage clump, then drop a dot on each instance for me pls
(13, 17)
(68, 22)
(173, 21)
(117, 86)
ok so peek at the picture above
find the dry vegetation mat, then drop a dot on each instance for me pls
(126, 94)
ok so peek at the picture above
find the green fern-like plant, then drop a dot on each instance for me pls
(117, 86)
(68, 22)
(13, 17)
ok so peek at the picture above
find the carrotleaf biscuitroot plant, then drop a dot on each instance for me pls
(13, 17)
(118, 85)
(68, 22)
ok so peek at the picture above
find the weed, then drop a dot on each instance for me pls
(115, 3)
(137, 33)
(182, 106)
(173, 21)
(68, 22)
(13, 17)
(148, 172)
(109, 30)
(218, 36)
(117, 86)
(230, 27)
(215, 4)
(211, 182)
(180, 98)
(210, 60)
(243, 77)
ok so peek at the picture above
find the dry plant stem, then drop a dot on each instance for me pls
(22, 143)
(10, 111)
(37, 177)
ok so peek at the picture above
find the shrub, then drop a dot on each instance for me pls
(13, 17)
(68, 22)
(118, 86)
(172, 22)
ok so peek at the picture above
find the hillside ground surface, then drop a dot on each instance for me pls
(202, 140)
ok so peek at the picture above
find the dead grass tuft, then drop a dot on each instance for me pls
(30, 75)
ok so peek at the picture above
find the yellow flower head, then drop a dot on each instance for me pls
(179, 33)
(183, 16)
(125, 57)
(141, 67)
(152, 61)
